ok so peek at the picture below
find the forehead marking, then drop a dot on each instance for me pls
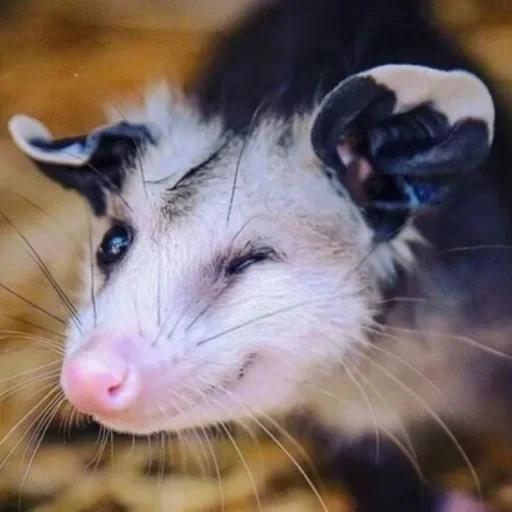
(179, 197)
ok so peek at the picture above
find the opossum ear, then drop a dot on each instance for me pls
(91, 164)
(397, 137)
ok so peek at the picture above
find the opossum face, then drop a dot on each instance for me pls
(234, 273)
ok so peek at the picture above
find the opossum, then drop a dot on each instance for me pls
(236, 273)
(249, 236)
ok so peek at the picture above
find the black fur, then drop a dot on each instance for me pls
(115, 150)
(415, 156)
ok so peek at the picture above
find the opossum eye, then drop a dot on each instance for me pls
(114, 245)
(241, 263)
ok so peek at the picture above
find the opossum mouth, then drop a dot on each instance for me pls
(214, 393)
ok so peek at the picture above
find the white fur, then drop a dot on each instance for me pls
(457, 94)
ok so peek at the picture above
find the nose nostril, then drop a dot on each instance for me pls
(99, 388)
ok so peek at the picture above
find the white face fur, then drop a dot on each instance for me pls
(248, 283)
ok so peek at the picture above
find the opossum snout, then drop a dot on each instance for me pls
(100, 380)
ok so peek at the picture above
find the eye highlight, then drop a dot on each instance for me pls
(114, 245)
(239, 264)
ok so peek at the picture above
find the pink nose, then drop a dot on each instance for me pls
(99, 387)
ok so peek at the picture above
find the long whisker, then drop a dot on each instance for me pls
(465, 339)
(434, 415)
(33, 325)
(408, 366)
(201, 447)
(292, 459)
(409, 452)
(91, 268)
(58, 225)
(244, 464)
(242, 459)
(203, 453)
(46, 343)
(32, 304)
(139, 155)
(216, 467)
(112, 187)
(27, 372)
(23, 385)
(264, 316)
(204, 310)
(159, 292)
(102, 443)
(13, 429)
(40, 431)
(46, 272)
(470, 248)
(369, 404)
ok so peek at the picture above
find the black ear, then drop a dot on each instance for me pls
(397, 137)
(91, 164)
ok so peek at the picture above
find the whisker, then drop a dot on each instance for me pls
(241, 457)
(369, 404)
(180, 318)
(138, 153)
(411, 455)
(245, 465)
(197, 458)
(263, 316)
(23, 385)
(137, 316)
(470, 248)
(159, 292)
(216, 467)
(204, 310)
(91, 267)
(52, 346)
(287, 435)
(409, 366)
(465, 339)
(292, 459)
(35, 306)
(40, 431)
(13, 429)
(112, 186)
(32, 324)
(150, 456)
(27, 372)
(58, 225)
(102, 443)
(434, 415)
(46, 272)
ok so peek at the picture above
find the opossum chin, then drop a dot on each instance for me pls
(126, 391)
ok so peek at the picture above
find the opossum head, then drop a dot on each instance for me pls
(232, 273)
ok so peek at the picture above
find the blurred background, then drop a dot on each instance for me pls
(55, 53)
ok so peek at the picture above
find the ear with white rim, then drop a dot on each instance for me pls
(91, 163)
(398, 137)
